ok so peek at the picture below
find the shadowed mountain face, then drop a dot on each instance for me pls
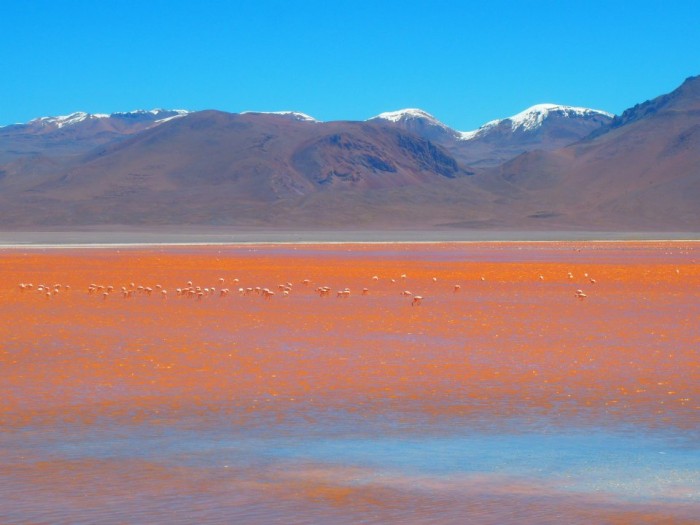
(581, 169)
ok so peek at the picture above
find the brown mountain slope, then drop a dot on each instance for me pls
(218, 168)
(643, 173)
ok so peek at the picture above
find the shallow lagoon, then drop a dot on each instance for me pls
(511, 401)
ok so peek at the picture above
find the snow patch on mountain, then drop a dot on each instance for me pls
(293, 115)
(170, 113)
(178, 113)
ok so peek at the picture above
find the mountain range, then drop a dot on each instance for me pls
(548, 167)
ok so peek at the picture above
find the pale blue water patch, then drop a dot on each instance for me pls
(639, 466)
(629, 466)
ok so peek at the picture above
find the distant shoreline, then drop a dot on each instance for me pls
(125, 238)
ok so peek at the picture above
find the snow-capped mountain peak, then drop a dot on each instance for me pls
(68, 120)
(79, 117)
(534, 116)
(418, 121)
(403, 115)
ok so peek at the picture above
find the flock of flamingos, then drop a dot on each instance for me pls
(198, 292)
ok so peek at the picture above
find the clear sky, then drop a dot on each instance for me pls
(464, 62)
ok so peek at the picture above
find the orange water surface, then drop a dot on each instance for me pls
(532, 383)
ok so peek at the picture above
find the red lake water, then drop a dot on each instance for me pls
(531, 383)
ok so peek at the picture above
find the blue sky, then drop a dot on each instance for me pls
(464, 62)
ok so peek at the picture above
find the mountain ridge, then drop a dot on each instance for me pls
(548, 167)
